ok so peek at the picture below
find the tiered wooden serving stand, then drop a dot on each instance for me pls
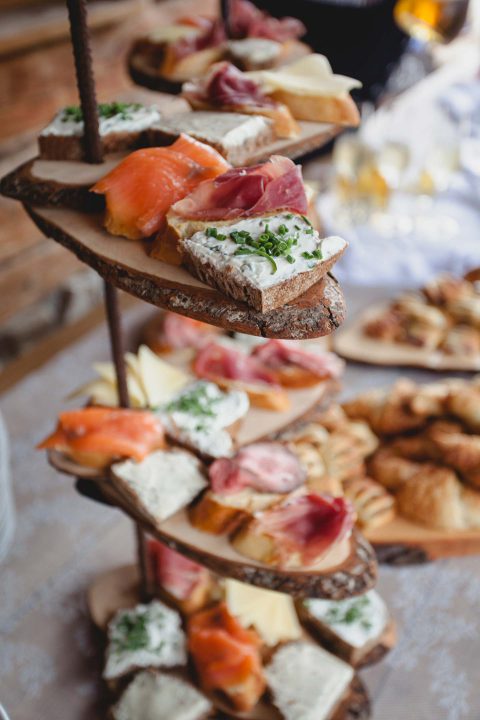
(126, 265)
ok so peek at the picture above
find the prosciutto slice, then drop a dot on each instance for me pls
(308, 525)
(276, 353)
(179, 332)
(226, 85)
(266, 467)
(246, 20)
(212, 34)
(175, 573)
(243, 192)
(216, 361)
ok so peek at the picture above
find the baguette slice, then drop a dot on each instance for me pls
(349, 628)
(236, 136)
(339, 110)
(218, 514)
(161, 696)
(253, 279)
(284, 123)
(260, 395)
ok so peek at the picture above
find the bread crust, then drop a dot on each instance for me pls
(71, 147)
(339, 110)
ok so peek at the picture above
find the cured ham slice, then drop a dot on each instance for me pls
(265, 467)
(96, 435)
(274, 354)
(225, 85)
(212, 34)
(175, 573)
(244, 192)
(246, 20)
(217, 361)
(176, 332)
(226, 656)
(309, 524)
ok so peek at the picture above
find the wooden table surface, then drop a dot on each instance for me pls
(49, 654)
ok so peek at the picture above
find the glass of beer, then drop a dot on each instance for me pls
(431, 21)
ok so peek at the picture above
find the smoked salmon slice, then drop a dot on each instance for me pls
(226, 656)
(141, 189)
(95, 436)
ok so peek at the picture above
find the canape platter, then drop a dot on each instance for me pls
(127, 265)
(353, 344)
(402, 542)
(120, 588)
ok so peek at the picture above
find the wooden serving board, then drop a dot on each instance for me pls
(128, 266)
(402, 542)
(352, 343)
(120, 588)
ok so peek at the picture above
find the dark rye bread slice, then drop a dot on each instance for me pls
(221, 130)
(71, 147)
(240, 288)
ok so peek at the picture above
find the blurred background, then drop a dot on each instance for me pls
(407, 174)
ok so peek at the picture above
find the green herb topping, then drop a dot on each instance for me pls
(194, 402)
(269, 244)
(131, 633)
(74, 113)
(354, 612)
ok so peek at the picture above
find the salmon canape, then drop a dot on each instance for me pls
(141, 189)
(226, 656)
(96, 436)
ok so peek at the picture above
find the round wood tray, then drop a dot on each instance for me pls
(352, 343)
(120, 588)
(350, 570)
(127, 265)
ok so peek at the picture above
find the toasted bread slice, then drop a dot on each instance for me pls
(339, 110)
(191, 66)
(217, 514)
(284, 123)
(261, 395)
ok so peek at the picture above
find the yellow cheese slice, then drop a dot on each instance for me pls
(160, 380)
(271, 613)
(310, 75)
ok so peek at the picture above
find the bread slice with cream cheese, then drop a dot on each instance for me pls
(306, 682)
(161, 696)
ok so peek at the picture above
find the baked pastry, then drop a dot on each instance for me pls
(432, 497)
(464, 403)
(390, 470)
(374, 506)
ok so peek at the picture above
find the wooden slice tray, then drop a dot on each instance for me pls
(351, 343)
(403, 542)
(119, 588)
(127, 265)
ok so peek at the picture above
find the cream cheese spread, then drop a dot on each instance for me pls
(135, 119)
(256, 269)
(199, 416)
(307, 682)
(145, 636)
(164, 482)
(158, 696)
(357, 621)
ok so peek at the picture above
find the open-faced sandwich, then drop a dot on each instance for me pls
(188, 48)
(122, 126)
(246, 233)
(166, 332)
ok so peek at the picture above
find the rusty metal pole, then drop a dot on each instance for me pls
(93, 153)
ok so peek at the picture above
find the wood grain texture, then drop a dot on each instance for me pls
(126, 264)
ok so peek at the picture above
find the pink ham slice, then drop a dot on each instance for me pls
(212, 34)
(225, 85)
(276, 353)
(308, 525)
(173, 572)
(243, 192)
(246, 20)
(216, 361)
(179, 332)
(266, 467)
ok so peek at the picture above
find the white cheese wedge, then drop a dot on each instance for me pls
(257, 270)
(161, 484)
(255, 51)
(306, 682)
(310, 75)
(199, 415)
(150, 380)
(145, 636)
(357, 621)
(157, 696)
(271, 613)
